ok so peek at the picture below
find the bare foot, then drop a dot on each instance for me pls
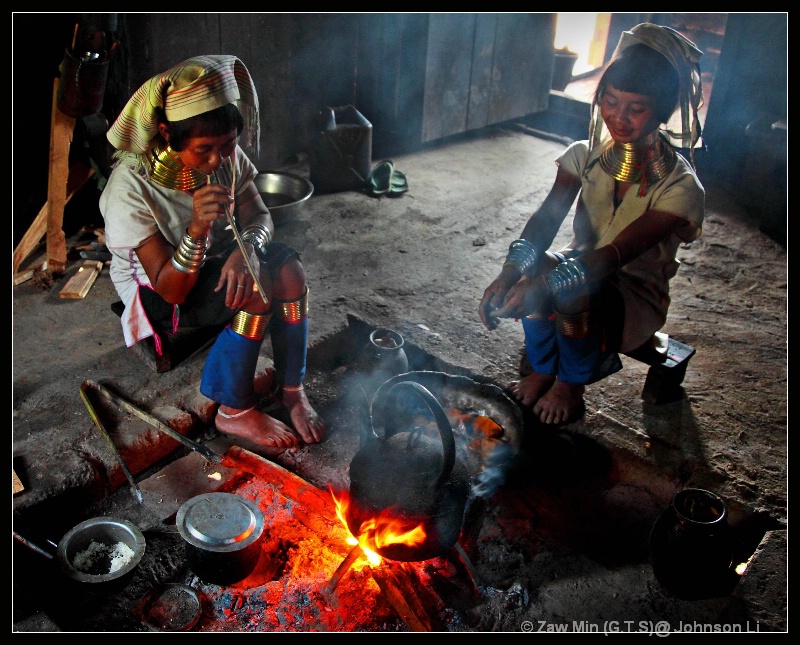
(530, 389)
(563, 403)
(306, 421)
(255, 431)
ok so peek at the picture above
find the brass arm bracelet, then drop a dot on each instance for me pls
(567, 276)
(190, 255)
(259, 236)
(522, 255)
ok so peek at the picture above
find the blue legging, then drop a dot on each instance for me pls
(577, 361)
(231, 364)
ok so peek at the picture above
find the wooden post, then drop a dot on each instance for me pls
(61, 131)
(79, 174)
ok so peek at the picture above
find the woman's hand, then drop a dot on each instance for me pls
(211, 203)
(240, 287)
(524, 298)
(494, 296)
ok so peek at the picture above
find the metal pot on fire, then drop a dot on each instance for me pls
(410, 481)
(223, 534)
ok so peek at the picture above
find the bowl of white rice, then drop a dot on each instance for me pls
(100, 549)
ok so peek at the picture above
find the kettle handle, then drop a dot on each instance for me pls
(445, 429)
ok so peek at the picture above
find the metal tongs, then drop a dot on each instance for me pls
(212, 179)
(104, 433)
(210, 455)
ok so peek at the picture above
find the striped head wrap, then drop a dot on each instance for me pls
(684, 56)
(197, 85)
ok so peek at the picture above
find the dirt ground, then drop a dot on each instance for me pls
(564, 540)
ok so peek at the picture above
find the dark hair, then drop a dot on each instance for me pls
(208, 124)
(642, 70)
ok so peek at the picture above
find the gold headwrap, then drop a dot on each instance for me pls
(684, 56)
(195, 86)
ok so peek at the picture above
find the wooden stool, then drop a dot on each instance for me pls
(175, 348)
(667, 371)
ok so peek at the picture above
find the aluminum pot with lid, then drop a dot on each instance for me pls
(223, 534)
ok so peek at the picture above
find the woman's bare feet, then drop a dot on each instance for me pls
(530, 389)
(309, 425)
(255, 431)
(563, 403)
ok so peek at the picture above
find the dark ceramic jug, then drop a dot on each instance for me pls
(690, 545)
(383, 357)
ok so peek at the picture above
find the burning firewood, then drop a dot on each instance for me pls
(399, 592)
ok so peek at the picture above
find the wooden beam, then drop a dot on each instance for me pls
(79, 174)
(79, 284)
(287, 483)
(61, 131)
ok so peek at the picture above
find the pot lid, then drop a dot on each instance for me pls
(220, 522)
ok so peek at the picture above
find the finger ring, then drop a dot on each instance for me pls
(240, 286)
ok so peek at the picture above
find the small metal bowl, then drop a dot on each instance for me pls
(100, 549)
(284, 193)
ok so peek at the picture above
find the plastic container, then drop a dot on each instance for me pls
(341, 150)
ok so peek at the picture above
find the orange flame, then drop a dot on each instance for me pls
(380, 531)
(474, 422)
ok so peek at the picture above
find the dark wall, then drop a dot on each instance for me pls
(412, 93)
(416, 77)
(39, 43)
(747, 145)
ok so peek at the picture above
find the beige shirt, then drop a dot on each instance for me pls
(134, 209)
(644, 281)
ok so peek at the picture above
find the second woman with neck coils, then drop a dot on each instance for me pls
(638, 199)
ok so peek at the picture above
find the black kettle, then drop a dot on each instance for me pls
(409, 477)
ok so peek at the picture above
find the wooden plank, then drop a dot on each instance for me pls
(521, 65)
(23, 276)
(79, 174)
(16, 484)
(480, 93)
(447, 90)
(61, 130)
(79, 284)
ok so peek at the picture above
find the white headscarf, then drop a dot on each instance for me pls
(197, 85)
(684, 56)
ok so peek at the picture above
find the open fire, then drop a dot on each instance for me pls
(385, 529)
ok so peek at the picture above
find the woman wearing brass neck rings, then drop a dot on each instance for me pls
(179, 173)
(637, 201)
